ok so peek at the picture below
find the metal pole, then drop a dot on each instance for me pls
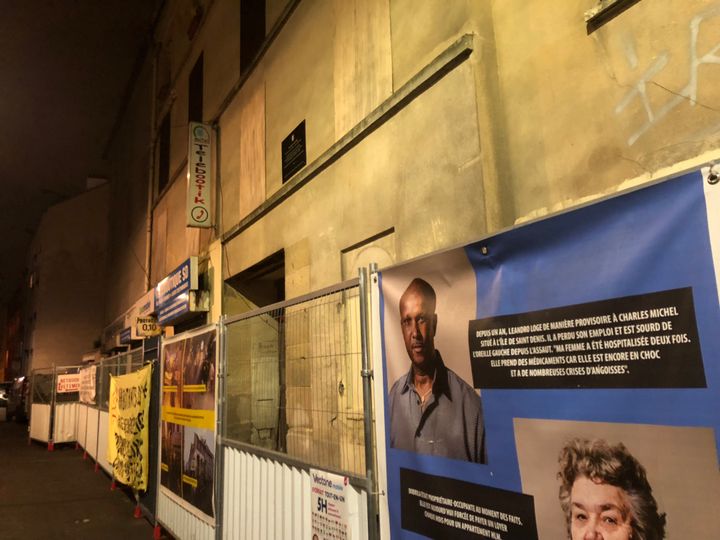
(51, 444)
(367, 374)
(220, 369)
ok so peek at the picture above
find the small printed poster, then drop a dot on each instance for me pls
(87, 384)
(67, 383)
(329, 507)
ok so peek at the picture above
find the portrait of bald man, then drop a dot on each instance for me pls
(432, 410)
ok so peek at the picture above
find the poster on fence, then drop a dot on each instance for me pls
(187, 446)
(560, 379)
(128, 413)
(329, 506)
(67, 383)
(87, 384)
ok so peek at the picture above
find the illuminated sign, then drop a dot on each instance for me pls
(172, 294)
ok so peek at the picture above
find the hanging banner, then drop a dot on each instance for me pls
(87, 384)
(561, 379)
(187, 456)
(199, 184)
(128, 413)
(68, 382)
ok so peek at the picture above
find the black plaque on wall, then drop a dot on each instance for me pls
(294, 152)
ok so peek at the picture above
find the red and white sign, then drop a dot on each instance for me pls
(68, 383)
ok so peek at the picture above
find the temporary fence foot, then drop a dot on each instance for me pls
(51, 446)
(157, 532)
(137, 514)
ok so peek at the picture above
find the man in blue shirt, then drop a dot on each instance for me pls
(432, 410)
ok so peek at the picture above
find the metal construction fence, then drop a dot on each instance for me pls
(93, 417)
(53, 413)
(293, 398)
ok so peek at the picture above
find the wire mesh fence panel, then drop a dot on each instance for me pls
(119, 364)
(293, 381)
(42, 386)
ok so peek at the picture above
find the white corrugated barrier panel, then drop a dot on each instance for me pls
(65, 423)
(82, 425)
(265, 499)
(40, 422)
(102, 444)
(182, 524)
(92, 432)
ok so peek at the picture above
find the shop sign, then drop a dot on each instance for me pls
(111, 334)
(147, 327)
(172, 294)
(142, 309)
(199, 178)
(125, 336)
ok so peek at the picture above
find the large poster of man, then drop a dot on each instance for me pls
(433, 408)
(187, 450)
(602, 320)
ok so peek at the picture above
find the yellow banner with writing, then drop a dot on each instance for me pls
(129, 408)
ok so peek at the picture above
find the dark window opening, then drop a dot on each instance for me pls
(195, 91)
(252, 30)
(263, 283)
(164, 154)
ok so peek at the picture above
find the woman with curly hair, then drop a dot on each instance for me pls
(605, 493)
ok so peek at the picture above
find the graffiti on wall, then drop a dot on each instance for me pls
(655, 113)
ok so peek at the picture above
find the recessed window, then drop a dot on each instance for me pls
(164, 153)
(195, 91)
(263, 283)
(252, 30)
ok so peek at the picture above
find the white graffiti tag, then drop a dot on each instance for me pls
(688, 93)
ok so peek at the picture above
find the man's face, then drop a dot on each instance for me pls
(418, 321)
(598, 511)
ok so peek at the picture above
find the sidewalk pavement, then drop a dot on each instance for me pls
(58, 495)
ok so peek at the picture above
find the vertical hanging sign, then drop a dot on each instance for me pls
(199, 186)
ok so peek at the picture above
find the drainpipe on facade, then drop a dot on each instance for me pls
(151, 169)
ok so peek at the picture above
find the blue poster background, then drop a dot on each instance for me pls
(652, 239)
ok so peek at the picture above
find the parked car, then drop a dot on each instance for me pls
(18, 398)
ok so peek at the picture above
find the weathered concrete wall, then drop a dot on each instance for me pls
(533, 116)
(586, 112)
(70, 248)
(130, 158)
(218, 40)
(419, 172)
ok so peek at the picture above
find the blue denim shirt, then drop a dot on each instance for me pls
(451, 425)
